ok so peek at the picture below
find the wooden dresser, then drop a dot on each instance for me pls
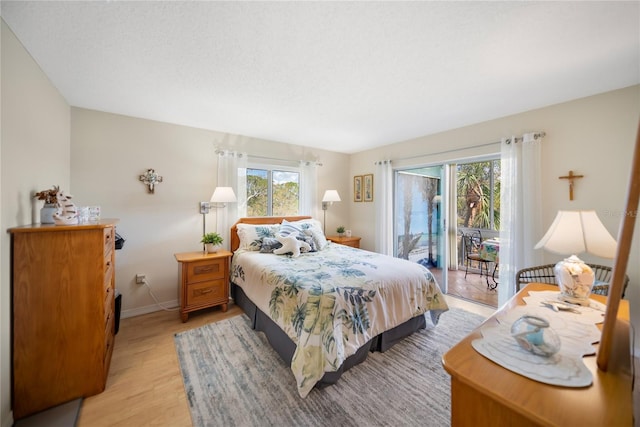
(63, 279)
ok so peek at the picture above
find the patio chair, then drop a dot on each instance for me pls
(545, 274)
(471, 242)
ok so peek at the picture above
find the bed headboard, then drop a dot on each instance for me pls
(235, 240)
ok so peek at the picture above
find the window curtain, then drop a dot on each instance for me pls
(308, 188)
(520, 209)
(232, 167)
(383, 191)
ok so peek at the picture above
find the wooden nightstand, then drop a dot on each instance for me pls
(352, 241)
(204, 281)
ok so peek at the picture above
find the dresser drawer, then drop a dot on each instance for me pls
(108, 272)
(108, 329)
(108, 304)
(109, 239)
(204, 270)
(108, 338)
(206, 292)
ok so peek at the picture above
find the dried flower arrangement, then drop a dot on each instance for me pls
(49, 196)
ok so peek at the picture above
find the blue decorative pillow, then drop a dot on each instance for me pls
(269, 244)
(309, 240)
(309, 227)
(287, 228)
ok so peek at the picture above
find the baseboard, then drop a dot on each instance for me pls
(8, 420)
(63, 415)
(152, 309)
(148, 309)
(636, 391)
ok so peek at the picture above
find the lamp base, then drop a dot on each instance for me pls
(575, 279)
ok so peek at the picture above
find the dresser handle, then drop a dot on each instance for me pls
(203, 269)
(203, 291)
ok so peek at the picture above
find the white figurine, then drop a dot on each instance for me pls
(67, 213)
(291, 244)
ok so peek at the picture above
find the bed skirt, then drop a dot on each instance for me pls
(285, 347)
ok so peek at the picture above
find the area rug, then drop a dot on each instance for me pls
(233, 377)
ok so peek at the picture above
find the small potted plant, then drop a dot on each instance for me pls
(340, 230)
(212, 241)
(50, 207)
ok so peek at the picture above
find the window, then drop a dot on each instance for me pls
(478, 195)
(273, 191)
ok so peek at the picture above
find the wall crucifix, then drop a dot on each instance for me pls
(150, 179)
(571, 177)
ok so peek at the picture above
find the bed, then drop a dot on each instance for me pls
(324, 310)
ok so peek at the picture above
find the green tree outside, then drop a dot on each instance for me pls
(285, 190)
(474, 193)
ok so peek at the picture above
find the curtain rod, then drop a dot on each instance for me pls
(442, 152)
(507, 141)
(307, 162)
(520, 139)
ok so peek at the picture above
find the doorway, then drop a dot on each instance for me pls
(432, 205)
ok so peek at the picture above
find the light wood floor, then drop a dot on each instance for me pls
(145, 385)
(473, 287)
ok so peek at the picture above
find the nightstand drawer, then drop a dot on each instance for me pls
(206, 292)
(201, 271)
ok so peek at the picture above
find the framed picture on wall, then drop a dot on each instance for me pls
(357, 188)
(368, 187)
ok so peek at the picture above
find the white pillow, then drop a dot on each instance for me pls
(318, 237)
(251, 235)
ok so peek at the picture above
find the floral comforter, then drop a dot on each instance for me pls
(334, 301)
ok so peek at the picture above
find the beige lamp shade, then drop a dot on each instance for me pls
(223, 195)
(331, 196)
(574, 232)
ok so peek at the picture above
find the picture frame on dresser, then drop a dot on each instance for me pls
(357, 188)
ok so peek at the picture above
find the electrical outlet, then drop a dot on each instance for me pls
(140, 278)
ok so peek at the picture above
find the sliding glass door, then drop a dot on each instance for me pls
(420, 219)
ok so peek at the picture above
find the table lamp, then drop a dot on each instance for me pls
(573, 232)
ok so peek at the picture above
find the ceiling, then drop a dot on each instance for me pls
(341, 76)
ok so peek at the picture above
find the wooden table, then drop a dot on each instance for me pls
(484, 393)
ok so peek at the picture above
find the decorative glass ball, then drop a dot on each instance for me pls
(533, 334)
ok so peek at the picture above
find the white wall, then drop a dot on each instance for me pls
(592, 136)
(34, 156)
(109, 152)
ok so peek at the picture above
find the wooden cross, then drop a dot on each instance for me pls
(571, 177)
